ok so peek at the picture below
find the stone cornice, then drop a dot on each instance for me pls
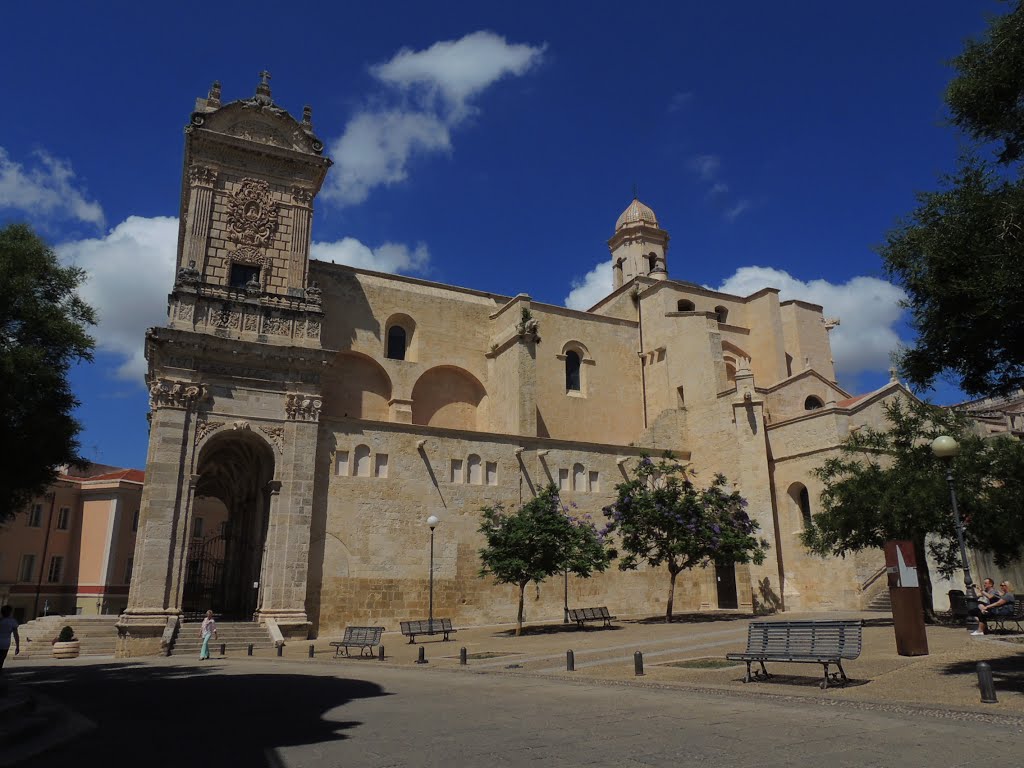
(205, 351)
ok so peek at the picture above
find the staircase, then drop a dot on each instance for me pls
(236, 635)
(881, 601)
(96, 634)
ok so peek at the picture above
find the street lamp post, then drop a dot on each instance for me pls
(432, 521)
(946, 449)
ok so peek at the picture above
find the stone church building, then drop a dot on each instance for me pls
(314, 415)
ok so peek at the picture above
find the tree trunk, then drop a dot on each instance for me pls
(671, 595)
(924, 579)
(519, 617)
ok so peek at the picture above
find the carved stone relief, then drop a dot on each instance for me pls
(275, 325)
(175, 394)
(252, 213)
(205, 428)
(312, 328)
(184, 311)
(276, 435)
(202, 174)
(302, 407)
(252, 322)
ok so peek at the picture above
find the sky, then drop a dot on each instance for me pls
(493, 146)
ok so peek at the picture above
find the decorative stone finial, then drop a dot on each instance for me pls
(213, 99)
(263, 90)
(307, 116)
(893, 375)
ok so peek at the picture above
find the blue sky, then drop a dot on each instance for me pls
(493, 146)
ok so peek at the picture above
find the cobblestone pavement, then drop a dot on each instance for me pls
(272, 713)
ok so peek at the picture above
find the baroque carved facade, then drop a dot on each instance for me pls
(329, 410)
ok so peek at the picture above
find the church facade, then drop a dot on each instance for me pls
(320, 413)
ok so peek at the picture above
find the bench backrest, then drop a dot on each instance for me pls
(363, 635)
(588, 614)
(832, 639)
(423, 627)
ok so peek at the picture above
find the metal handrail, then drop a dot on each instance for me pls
(873, 578)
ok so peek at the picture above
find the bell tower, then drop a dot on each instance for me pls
(639, 246)
(250, 176)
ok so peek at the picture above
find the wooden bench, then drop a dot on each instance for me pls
(802, 642)
(581, 615)
(1001, 621)
(363, 638)
(439, 626)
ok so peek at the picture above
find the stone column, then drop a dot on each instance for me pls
(301, 234)
(286, 563)
(197, 221)
(162, 541)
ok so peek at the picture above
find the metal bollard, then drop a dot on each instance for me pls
(280, 650)
(423, 656)
(223, 648)
(986, 684)
(570, 661)
(638, 663)
(380, 653)
(312, 651)
(248, 651)
(462, 656)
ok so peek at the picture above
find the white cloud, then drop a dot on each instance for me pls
(46, 189)
(437, 86)
(130, 272)
(706, 166)
(458, 70)
(867, 306)
(737, 209)
(594, 286)
(389, 257)
(375, 149)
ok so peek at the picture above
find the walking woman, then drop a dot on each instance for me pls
(208, 630)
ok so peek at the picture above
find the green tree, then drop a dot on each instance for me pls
(663, 519)
(958, 255)
(537, 541)
(43, 322)
(887, 485)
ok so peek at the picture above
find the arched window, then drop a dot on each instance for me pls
(579, 478)
(652, 262)
(813, 403)
(572, 371)
(802, 501)
(396, 342)
(722, 313)
(685, 306)
(473, 463)
(362, 461)
(805, 506)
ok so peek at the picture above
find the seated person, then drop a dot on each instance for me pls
(988, 592)
(1001, 607)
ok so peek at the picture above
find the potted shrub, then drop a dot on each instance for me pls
(66, 645)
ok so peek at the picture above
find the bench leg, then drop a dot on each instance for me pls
(842, 672)
(747, 678)
(763, 670)
(824, 682)
(412, 639)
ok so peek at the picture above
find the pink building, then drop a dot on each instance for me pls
(72, 550)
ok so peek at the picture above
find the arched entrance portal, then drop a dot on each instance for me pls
(226, 550)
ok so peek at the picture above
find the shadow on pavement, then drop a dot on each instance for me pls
(695, 618)
(778, 683)
(1007, 672)
(556, 629)
(179, 715)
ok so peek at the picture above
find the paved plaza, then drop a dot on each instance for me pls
(515, 704)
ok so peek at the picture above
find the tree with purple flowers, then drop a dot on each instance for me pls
(537, 541)
(662, 518)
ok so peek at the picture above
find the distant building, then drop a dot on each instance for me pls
(326, 411)
(72, 550)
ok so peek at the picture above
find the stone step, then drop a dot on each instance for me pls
(881, 602)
